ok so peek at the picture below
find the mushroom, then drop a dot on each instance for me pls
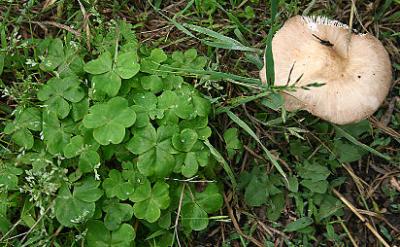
(354, 69)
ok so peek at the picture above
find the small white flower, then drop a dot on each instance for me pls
(30, 62)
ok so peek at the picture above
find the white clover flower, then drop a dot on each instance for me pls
(31, 62)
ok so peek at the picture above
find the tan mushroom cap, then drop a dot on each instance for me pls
(357, 78)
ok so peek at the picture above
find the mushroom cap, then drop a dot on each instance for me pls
(356, 78)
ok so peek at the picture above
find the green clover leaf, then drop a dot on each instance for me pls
(151, 63)
(210, 199)
(142, 190)
(145, 99)
(201, 106)
(232, 141)
(55, 133)
(196, 208)
(194, 217)
(72, 65)
(174, 104)
(88, 190)
(152, 83)
(57, 92)
(70, 210)
(80, 109)
(107, 76)
(88, 157)
(73, 148)
(100, 65)
(88, 160)
(22, 137)
(149, 207)
(172, 82)
(9, 177)
(158, 55)
(188, 60)
(109, 120)
(55, 55)
(116, 186)
(194, 153)
(259, 187)
(108, 83)
(185, 140)
(26, 119)
(126, 66)
(99, 236)
(188, 163)
(146, 108)
(154, 149)
(38, 160)
(116, 213)
(199, 124)
(74, 208)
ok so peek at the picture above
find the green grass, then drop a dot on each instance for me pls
(106, 137)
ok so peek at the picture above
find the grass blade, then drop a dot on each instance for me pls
(361, 145)
(222, 161)
(246, 128)
(221, 40)
(268, 55)
(237, 101)
(228, 46)
(214, 75)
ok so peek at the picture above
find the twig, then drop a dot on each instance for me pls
(38, 220)
(191, 180)
(59, 229)
(85, 24)
(361, 217)
(48, 3)
(353, 242)
(237, 227)
(309, 7)
(178, 213)
(249, 150)
(265, 228)
(387, 116)
(386, 129)
(17, 236)
(59, 25)
(380, 217)
(11, 230)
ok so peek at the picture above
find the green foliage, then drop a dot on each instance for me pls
(75, 208)
(108, 73)
(25, 120)
(106, 139)
(56, 92)
(9, 178)
(310, 185)
(105, 142)
(154, 150)
(232, 141)
(109, 120)
(299, 224)
(99, 235)
(197, 205)
(260, 189)
(149, 201)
